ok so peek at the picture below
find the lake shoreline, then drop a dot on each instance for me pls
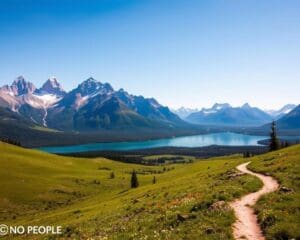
(201, 140)
(136, 156)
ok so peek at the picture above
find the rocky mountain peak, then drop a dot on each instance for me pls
(246, 105)
(20, 86)
(92, 86)
(219, 106)
(52, 86)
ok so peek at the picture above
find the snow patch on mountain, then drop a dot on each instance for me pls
(80, 101)
(48, 99)
(282, 111)
(183, 112)
(207, 112)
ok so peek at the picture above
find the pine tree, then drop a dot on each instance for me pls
(134, 180)
(286, 144)
(274, 143)
(247, 154)
(154, 180)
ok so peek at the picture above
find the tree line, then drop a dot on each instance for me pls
(11, 141)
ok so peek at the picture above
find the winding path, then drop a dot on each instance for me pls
(246, 225)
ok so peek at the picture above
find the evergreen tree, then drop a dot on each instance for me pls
(11, 141)
(274, 143)
(154, 180)
(247, 154)
(286, 144)
(134, 180)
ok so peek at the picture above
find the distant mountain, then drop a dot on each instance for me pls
(91, 106)
(291, 120)
(226, 115)
(288, 125)
(276, 114)
(184, 112)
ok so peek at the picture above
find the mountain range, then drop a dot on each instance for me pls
(91, 106)
(223, 114)
(183, 112)
(276, 114)
(291, 120)
(226, 115)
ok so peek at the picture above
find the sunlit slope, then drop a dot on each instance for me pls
(79, 194)
(28, 176)
(278, 212)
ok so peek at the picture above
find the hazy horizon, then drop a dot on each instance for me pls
(190, 54)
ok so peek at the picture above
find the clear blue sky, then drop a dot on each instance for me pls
(183, 53)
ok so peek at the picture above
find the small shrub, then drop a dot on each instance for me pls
(154, 180)
(201, 206)
(95, 181)
(77, 211)
(104, 168)
(282, 235)
(268, 222)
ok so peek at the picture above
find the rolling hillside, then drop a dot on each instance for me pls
(80, 195)
(278, 212)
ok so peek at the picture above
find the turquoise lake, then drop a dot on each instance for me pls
(226, 139)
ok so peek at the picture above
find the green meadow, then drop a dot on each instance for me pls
(279, 212)
(82, 196)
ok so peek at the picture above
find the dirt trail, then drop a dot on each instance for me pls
(246, 225)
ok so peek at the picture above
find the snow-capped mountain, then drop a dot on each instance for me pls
(92, 87)
(96, 105)
(183, 112)
(217, 107)
(24, 98)
(20, 87)
(226, 115)
(22, 92)
(276, 114)
(92, 105)
(51, 86)
(291, 120)
(85, 91)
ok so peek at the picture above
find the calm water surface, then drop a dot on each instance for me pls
(227, 139)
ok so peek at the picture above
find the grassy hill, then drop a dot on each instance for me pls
(279, 212)
(79, 194)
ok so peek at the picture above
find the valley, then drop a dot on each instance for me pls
(94, 112)
(149, 120)
(184, 202)
(185, 168)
